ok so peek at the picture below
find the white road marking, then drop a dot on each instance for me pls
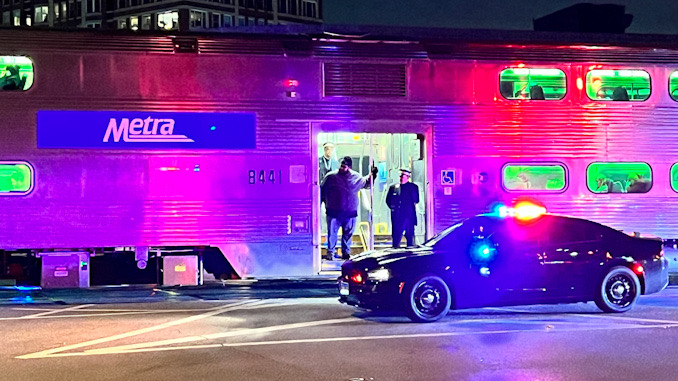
(114, 309)
(215, 311)
(239, 332)
(99, 312)
(630, 318)
(56, 311)
(599, 316)
(352, 338)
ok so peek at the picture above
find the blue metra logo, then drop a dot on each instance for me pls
(142, 130)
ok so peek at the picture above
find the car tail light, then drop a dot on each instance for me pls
(357, 277)
(638, 269)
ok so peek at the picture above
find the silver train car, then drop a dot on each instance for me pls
(211, 144)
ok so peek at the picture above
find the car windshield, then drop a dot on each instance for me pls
(438, 237)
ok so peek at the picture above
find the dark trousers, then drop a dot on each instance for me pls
(347, 225)
(400, 224)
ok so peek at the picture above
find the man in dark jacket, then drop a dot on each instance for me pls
(401, 199)
(339, 190)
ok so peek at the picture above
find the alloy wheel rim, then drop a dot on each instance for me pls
(620, 290)
(429, 299)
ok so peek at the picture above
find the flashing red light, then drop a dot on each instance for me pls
(291, 83)
(522, 211)
(357, 277)
(638, 269)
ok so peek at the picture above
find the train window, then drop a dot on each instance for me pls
(16, 73)
(619, 177)
(618, 85)
(673, 85)
(16, 178)
(534, 84)
(674, 177)
(520, 177)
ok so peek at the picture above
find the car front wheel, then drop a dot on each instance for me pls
(618, 290)
(428, 299)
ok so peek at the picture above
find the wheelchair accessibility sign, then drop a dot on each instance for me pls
(447, 177)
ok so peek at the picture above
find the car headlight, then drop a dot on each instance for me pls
(379, 275)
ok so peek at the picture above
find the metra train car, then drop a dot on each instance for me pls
(114, 146)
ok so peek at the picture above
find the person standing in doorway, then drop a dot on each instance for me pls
(327, 162)
(339, 190)
(401, 199)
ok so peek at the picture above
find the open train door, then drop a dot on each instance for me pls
(387, 151)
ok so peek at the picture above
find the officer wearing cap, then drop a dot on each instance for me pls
(401, 199)
(327, 162)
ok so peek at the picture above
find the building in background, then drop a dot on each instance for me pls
(179, 15)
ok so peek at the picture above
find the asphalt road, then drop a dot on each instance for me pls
(316, 338)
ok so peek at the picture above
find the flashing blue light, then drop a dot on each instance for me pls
(22, 299)
(484, 252)
(213, 128)
(27, 288)
(503, 211)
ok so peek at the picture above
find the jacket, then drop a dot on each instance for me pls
(340, 192)
(401, 199)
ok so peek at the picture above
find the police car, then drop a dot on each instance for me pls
(515, 256)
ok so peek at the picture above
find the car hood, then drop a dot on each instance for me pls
(391, 255)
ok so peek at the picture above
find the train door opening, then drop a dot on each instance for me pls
(389, 153)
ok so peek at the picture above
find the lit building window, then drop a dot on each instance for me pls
(532, 83)
(198, 19)
(168, 20)
(146, 22)
(134, 23)
(41, 14)
(618, 85)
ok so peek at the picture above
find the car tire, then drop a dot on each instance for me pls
(427, 299)
(618, 291)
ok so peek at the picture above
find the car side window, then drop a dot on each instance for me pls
(569, 231)
(522, 235)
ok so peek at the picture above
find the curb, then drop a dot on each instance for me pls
(147, 293)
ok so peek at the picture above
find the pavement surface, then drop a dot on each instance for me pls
(286, 330)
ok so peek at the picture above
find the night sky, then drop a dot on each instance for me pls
(649, 16)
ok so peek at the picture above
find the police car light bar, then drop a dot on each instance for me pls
(522, 211)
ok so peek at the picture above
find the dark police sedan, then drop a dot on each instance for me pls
(516, 256)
